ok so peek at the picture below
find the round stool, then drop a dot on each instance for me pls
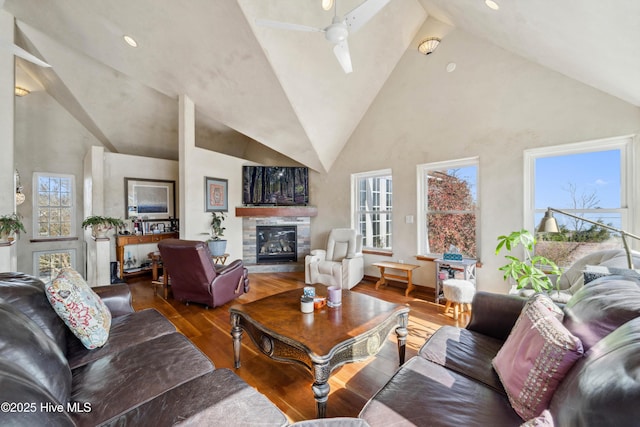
(458, 293)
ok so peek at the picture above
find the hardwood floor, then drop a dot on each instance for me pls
(287, 385)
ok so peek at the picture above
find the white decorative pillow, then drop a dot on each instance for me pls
(80, 308)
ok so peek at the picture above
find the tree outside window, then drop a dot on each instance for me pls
(451, 207)
(587, 184)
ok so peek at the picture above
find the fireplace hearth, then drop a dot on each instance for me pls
(276, 243)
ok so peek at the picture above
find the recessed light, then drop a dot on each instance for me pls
(130, 41)
(451, 66)
(327, 4)
(491, 4)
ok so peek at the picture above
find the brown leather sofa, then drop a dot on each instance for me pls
(194, 276)
(146, 374)
(451, 382)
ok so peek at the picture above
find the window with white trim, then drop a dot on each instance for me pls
(589, 179)
(372, 206)
(448, 207)
(54, 205)
(46, 264)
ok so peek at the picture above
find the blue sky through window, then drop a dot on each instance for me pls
(593, 172)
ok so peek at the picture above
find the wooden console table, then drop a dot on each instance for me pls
(132, 239)
(406, 268)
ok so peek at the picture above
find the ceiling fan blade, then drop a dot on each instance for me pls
(18, 51)
(363, 13)
(341, 51)
(287, 26)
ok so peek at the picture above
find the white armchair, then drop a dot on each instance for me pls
(341, 264)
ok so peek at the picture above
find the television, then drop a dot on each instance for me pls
(275, 185)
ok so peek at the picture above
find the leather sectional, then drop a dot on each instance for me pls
(146, 374)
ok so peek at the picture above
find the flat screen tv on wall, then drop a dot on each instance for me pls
(275, 185)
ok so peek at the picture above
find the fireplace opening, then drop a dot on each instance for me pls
(276, 243)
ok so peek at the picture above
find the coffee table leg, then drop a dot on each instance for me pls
(321, 393)
(236, 333)
(320, 387)
(401, 333)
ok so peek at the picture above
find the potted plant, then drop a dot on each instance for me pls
(100, 225)
(530, 271)
(9, 226)
(217, 246)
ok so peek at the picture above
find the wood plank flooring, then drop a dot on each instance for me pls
(289, 386)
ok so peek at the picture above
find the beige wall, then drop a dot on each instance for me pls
(494, 105)
(48, 139)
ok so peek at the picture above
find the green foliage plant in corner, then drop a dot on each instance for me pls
(531, 270)
(9, 225)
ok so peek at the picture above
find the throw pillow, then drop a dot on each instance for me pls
(543, 420)
(535, 357)
(593, 272)
(80, 308)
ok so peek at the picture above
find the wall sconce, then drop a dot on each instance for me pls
(20, 91)
(20, 197)
(427, 46)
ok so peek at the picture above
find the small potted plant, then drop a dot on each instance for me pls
(530, 271)
(100, 225)
(9, 226)
(217, 246)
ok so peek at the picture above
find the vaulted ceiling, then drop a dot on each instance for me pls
(264, 93)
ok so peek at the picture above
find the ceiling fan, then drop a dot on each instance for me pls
(340, 28)
(18, 51)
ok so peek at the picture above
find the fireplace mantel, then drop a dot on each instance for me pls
(272, 211)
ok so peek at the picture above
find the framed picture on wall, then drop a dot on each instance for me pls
(216, 197)
(149, 198)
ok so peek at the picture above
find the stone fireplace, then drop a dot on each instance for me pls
(276, 243)
(296, 218)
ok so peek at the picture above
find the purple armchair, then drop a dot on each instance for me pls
(194, 276)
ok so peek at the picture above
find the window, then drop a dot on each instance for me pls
(47, 263)
(448, 207)
(54, 199)
(372, 204)
(587, 179)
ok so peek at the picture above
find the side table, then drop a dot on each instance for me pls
(466, 265)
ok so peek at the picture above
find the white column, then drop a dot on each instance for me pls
(187, 143)
(98, 256)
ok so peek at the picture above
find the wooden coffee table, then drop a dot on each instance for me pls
(323, 340)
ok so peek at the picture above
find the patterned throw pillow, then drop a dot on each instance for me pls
(535, 357)
(80, 308)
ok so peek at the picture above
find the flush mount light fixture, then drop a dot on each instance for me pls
(20, 91)
(327, 4)
(491, 4)
(428, 45)
(130, 41)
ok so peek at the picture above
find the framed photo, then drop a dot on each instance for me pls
(149, 198)
(216, 197)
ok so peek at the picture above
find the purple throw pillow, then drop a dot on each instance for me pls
(535, 357)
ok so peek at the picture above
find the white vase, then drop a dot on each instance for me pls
(217, 247)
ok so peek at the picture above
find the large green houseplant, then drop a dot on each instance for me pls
(217, 246)
(100, 225)
(532, 271)
(9, 226)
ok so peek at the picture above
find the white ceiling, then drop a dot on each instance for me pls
(257, 87)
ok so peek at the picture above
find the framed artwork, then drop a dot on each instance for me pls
(216, 197)
(149, 198)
